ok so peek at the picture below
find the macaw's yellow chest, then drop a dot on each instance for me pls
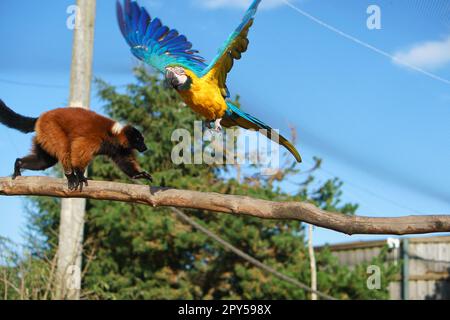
(204, 97)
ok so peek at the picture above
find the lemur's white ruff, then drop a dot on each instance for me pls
(117, 128)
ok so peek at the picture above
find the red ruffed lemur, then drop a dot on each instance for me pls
(74, 136)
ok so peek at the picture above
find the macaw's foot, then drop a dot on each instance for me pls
(217, 125)
(214, 125)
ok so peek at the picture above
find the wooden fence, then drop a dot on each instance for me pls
(426, 264)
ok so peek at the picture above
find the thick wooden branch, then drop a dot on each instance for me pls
(239, 205)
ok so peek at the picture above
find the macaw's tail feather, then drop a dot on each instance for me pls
(236, 117)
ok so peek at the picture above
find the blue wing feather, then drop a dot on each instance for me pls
(151, 28)
(135, 15)
(170, 36)
(143, 22)
(154, 43)
(160, 33)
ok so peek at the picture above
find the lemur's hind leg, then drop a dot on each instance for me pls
(39, 159)
(55, 141)
(82, 151)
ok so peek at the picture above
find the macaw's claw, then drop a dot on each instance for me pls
(214, 125)
(217, 125)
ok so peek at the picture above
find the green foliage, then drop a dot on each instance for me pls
(24, 276)
(138, 252)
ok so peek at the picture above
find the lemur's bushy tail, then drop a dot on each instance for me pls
(16, 121)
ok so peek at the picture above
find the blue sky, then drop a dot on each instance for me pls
(379, 125)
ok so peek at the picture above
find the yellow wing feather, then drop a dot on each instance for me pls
(225, 63)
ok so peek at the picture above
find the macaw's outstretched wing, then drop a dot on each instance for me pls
(232, 50)
(154, 43)
(236, 117)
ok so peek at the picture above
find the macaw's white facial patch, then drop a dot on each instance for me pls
(176, 76)
(117, 128)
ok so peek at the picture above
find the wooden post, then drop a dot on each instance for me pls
(405, 269)
(312, 262)
(71, 227)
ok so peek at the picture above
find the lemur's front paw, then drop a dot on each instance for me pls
(143, 175)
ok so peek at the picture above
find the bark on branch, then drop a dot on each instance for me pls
(168, 197)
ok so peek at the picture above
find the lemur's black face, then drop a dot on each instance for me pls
(136, 139)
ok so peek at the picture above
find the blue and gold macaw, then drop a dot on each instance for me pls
(202, 87)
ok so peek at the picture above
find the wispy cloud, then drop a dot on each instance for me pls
(363, 43)
(429, 55)
(215, 4)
